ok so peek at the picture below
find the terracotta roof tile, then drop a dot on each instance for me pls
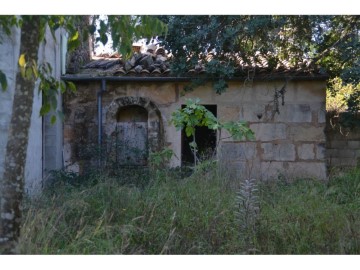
(157, 63)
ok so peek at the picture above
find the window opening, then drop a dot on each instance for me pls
(205, 139)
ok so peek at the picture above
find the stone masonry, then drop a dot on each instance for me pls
(287, 145)
(342, 145)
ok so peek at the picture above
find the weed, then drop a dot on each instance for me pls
(194, 215)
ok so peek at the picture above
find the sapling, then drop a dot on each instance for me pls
(196, 115)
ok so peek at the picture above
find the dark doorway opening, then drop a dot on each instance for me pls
(205, 139)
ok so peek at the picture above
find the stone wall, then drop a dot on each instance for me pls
(342, 145)
(289, 144)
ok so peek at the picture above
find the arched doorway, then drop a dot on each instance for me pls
(132, 136)
(135, 124)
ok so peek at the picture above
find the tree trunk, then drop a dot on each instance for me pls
(81, 55)
(12, 186)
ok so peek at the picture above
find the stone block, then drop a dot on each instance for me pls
(269, 131)
(354, 144)
(278, 151)
(235, 93)
(346, 153)
(306, 132)
(67, 153)
(253, 112)
(306, 151)
(311, 91)
(336, 144)
(295, 113)
(320, 150)
(68, 133)
(238, 151)
(315, 170)
(321, 115)
(271, 170)
(204, 93)
(293, 170)
(342, 162)
(159, 93)
(228, 113)
(331, 152)
(240, 170)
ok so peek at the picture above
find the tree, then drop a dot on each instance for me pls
(13, 185)
(32, 33)
(219, 42)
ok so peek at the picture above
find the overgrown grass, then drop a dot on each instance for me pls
(194, 215)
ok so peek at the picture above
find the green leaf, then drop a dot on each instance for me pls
(45, 109)
(3, 81)
(71, 86)
(92, 29)
(53, 119)
(62, 86)
(104, 39)
(74, 41)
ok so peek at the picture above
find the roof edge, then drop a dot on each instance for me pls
(78, 78)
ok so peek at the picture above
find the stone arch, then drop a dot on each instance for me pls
(154, 120)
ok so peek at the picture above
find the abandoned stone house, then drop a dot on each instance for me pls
(126, 107)
(130, 105)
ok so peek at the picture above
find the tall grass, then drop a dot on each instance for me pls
(195, 215)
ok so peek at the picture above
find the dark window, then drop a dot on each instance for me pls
(205, 139)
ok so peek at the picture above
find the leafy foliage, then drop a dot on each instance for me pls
(7, 22)
(338, 95)
(125, 29)
(302, 41)
(193, 115)
(196, 115)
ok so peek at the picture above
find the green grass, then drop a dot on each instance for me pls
(194, 215)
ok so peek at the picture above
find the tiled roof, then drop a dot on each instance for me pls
(156, 62)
